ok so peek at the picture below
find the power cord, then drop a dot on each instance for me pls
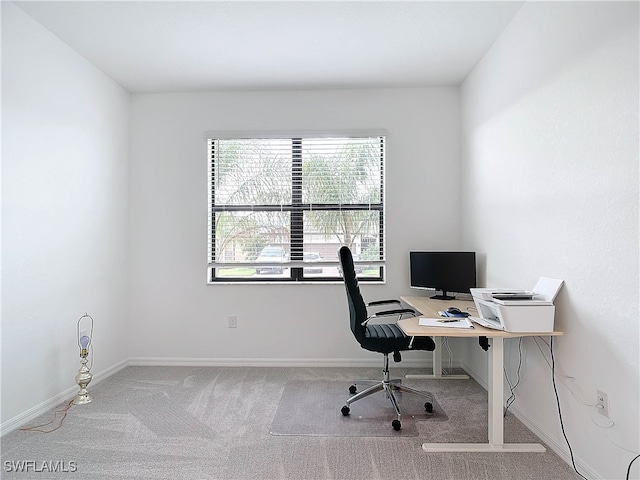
(557, 374)
(604, 427)
(512, 388)
(629, 468)
(445, 344)
(38, 428)
(555, 389)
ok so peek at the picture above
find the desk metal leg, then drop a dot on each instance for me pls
(496, 415)
(437, 367)
(496, 391)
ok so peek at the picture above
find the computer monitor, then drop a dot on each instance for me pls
(450, 272)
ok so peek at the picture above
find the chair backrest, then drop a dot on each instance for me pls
(357, 306)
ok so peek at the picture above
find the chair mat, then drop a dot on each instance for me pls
(312, 407)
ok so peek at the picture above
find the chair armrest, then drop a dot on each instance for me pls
(400, 311)
(382, 302)
(387, 313)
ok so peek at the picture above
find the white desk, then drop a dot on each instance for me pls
(495, 443)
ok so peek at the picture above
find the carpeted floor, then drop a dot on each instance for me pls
(214, 423)
(370, 417)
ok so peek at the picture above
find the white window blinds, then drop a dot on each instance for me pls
(280, 208)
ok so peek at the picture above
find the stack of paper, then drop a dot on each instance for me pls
(445, 322)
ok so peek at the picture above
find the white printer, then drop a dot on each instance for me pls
(518, 310)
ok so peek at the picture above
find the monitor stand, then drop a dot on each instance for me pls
(444, 296)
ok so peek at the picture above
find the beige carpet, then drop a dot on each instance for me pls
(197, 423)
(312, 407)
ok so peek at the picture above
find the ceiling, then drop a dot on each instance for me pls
(181, 46)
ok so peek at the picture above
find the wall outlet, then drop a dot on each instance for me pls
(233, 321)
(602, 403)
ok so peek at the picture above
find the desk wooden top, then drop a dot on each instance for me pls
(429, 308)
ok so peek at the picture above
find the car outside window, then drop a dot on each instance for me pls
(280, 208)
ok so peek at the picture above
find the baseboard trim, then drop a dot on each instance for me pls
(62, 397)
(269, 362)
(559, 449)
(475, 375)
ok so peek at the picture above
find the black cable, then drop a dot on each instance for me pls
(629, 468)
(555, 389)
(552, 365)
(512, 388)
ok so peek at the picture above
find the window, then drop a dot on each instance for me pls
(280, 208)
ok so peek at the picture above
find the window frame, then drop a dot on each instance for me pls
(296, 208)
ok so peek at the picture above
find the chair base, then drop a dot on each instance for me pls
(389, 386)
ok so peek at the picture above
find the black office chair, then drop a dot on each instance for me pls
(382, 338)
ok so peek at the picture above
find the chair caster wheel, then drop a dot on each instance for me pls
(396, 425)
(428, 407)
(345, 410)
(352, 389)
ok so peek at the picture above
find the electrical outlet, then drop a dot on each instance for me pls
(602, 403)
(233, 321)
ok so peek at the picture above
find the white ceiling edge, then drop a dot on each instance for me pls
(191, 46)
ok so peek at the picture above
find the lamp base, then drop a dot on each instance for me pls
(83, 378)
(82, 398)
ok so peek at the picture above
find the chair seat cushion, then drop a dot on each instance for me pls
(384, 330)
(388, 337)
(385, 338)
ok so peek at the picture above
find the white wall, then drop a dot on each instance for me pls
(550, 182)
(549, 187)
(177, 315)
(64, 209)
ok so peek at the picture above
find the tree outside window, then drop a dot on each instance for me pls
(299, 197)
